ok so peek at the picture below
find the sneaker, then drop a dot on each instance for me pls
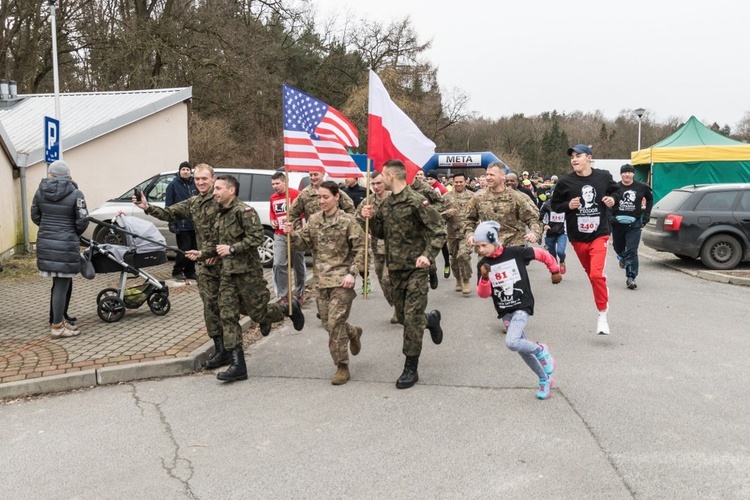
(602, 327)
(546, 359)
(622, 262)
(563, 268)
(433, 280)
(192, 276)
(630, 283)
(60, 331)
(447, 272)
(545, 384)
(299, 298)
(367, 286)
(504, 327)
(178, 276)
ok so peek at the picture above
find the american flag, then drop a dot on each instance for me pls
(316, 136)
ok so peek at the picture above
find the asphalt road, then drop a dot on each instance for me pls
(659, 409)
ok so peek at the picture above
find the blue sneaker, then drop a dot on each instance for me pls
(621, 262)
(545, 384)
(546, 359)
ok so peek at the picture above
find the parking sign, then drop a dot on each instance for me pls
(51, 139)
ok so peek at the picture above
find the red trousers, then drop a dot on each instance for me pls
(593, 257)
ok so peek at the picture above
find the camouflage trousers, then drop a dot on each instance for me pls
(209, 278)
(460, 258)
(409, 296)
(246, 292)
(334, 305)
(381, 270)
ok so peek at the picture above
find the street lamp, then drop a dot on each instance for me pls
(55, 75)
(639, 113)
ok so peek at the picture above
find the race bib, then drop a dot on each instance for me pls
(588, 224)
(556, 217)
(504, 272)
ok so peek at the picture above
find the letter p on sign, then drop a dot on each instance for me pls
(51, 139)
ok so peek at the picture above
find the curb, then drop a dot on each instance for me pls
(108, 375)
(715, 276)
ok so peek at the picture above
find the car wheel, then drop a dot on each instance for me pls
(721, 252)
(266, 249)
(107, 236)
(684, 257)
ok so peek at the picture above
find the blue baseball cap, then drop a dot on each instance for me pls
(580, 149)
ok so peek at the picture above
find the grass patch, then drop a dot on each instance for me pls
(21, 267)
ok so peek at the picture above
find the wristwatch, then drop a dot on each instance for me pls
(231, 249)
(351, 273)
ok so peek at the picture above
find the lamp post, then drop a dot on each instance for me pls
(639, 113)
(55, 75)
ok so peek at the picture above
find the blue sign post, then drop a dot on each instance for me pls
(51, 139)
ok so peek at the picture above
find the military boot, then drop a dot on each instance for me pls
(433, 324)
(342, 375)
(220, 357)
(459, 284)
(355, 345)
(298, 319)
(410, 376)
(466, 288)
(237, 370)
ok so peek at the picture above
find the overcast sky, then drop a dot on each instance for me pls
(673, 58)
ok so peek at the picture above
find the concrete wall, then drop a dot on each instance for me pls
(103, 168)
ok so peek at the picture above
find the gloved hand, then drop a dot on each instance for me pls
(556, 278)
(485, 270)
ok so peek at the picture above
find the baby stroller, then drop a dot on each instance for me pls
(145, 247)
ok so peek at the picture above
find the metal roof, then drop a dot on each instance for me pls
(84, 117)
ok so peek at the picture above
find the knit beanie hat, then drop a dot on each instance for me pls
(59, 169)
(486, 232)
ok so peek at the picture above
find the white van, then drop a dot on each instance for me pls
(255, 190)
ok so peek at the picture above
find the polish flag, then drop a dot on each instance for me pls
(392, 135)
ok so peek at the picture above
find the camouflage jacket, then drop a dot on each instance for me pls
(435, 198)
(202, 210)
(307, 204)
(377, 244)
(508, 207)
(410, 226)
(337, 244)
(239, 225)
(457, 221)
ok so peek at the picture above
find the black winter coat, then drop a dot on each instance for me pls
(59, 209)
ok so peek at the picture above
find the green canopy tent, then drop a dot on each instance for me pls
(694, 154)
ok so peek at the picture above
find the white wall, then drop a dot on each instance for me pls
(103, 168)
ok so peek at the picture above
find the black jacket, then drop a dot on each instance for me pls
(179, 190)
(59, 209)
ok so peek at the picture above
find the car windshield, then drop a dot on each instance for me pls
(155, 189)
(673, 201)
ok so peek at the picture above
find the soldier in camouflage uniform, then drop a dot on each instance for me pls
(414, 234)
(307, 204)
(377, 244)
(239, 233)
(519, 220)
(202, 210)
(419, 185)
(457, 202)
(338, 246)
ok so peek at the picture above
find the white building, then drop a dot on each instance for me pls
(111, 140)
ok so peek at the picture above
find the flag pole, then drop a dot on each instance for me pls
(367, 227)
(288, 246)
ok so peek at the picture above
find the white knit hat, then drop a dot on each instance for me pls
(486, 232)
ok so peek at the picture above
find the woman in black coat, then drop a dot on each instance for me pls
(59, 209)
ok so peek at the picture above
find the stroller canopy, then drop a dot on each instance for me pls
(144, 229)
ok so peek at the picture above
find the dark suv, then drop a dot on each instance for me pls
(710, 222)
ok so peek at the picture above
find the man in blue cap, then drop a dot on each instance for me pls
(586, 196)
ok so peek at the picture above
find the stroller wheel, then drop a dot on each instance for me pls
(159, 303)
(111, 309)
(107, 292)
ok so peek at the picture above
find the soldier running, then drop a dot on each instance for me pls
(414, 234)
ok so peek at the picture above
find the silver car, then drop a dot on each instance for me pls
(255, 190)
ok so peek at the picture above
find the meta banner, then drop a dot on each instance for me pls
(459, 160)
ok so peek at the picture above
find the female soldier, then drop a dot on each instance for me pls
(337, 243)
